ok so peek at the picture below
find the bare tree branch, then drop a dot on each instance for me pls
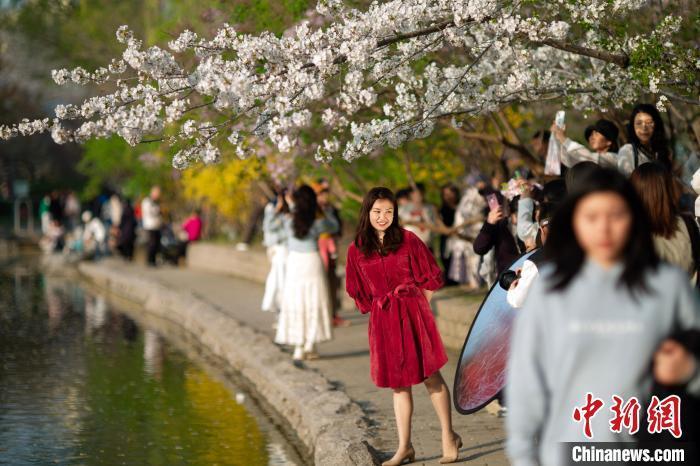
(680, 98)
(407, 166)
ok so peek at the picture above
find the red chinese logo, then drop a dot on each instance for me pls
(665, 415)
(586, 412)
(661, 415)
(626, 415)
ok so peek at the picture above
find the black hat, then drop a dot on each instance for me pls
(605, 127)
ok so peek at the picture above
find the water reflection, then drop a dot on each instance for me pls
(95, 313)
(83, 384)
(153, 354)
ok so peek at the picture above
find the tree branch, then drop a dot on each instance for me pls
(340, 190)
(622, 59)
(393, 39)
(407, 166)
(527, 156)
(349, 169)
(680, 98)
(422, 32)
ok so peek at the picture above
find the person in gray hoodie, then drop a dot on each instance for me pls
(592, 324)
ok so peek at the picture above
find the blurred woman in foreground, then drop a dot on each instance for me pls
(593, 322)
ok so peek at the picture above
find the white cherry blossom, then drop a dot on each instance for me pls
(370, 78)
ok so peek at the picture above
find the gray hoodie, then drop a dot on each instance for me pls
(591, 337)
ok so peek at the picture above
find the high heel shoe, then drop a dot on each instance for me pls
(410, 455)
(452, 459)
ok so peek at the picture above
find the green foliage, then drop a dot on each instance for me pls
(81, 32)
(269, 15)
(113, 163)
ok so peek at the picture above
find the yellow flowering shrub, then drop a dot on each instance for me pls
(225, 186)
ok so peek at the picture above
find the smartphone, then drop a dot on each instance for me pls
(492, 201)
(560, 118)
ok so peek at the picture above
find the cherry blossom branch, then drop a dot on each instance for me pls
(620, 59)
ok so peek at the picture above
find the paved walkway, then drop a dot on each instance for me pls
(345, 362)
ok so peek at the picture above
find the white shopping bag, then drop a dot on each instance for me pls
(552, 165)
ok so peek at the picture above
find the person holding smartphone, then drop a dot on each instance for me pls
(499, 232)
(602, 141)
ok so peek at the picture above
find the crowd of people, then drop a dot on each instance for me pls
(616, 244)
(484, 226)
(110, 225)
(617, 254)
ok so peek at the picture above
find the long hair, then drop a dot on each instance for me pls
(453, 189)
(564, 252)
(366, 238)
(655, 187)
(658, 142)
(305, 208)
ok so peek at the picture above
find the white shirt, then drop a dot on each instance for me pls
(625, 159)
(411, 213)
(695, 183)
(94, 229)
(526, 228)
(574, 153)
(150, 214)
(516, 296)
(115, 210)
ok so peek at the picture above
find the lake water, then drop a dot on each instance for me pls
(81, 383)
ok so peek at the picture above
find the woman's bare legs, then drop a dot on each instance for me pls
(440, 396)
(403, 411)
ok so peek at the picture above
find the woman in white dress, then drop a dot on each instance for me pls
(275, 240)
(304, 319)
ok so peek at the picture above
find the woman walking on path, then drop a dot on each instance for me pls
(304, 317)
(391, 274)
(605, 293)
(275, 240)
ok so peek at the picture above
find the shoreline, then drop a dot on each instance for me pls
(332, 427)
(177, 338)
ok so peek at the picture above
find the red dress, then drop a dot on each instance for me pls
(404, 344)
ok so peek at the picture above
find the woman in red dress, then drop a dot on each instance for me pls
(391, 274)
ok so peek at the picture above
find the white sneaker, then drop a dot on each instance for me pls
(241, 247)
